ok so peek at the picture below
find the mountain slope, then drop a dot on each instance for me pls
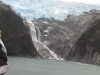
(13, 31)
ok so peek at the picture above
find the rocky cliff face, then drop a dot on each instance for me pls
(15, 34)
(75, 39)
(87, 48)
(69, 39)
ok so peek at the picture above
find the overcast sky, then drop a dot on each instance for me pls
(84, 1)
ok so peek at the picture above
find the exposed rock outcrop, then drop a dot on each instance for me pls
(87, 48)
(75, 39)
(63, 37)
(15, 34)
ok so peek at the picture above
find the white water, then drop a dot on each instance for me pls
(46, 8)
(37, 42)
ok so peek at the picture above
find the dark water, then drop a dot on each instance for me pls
(27, 66)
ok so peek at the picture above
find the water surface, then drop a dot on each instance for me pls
(27, 66)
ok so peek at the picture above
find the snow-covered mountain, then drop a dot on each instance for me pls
(48, 8)
(56, 34)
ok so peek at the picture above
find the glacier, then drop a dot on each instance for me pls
(38, 13)
(48, 8)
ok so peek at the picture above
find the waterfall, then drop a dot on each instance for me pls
(42, 49)
(54, 32)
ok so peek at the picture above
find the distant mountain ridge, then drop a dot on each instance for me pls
(48, 8)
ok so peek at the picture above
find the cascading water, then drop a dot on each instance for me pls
(42, 49)
(53, 35)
